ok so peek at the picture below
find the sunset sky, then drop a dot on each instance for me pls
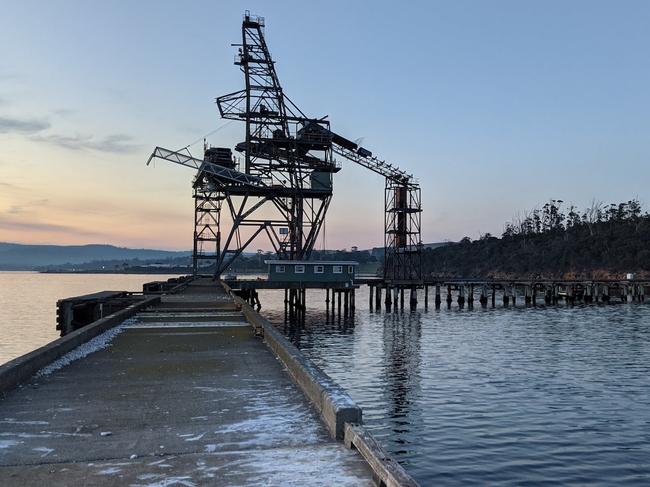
(496, 106)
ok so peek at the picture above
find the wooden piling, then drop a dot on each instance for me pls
(483, 299)
(413, 298)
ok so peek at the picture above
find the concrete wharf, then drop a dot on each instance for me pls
(178, 390)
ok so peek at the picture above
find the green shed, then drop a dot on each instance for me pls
(343, 271)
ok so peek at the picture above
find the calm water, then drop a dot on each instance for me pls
(28, 304)
(482, 397)
(485, 397)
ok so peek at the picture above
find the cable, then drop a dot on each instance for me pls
(207, 135)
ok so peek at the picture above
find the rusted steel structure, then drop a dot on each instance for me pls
(283, 183)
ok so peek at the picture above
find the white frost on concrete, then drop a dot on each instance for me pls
(190, 437)
(168, 482)
(14, 421)
(44, 450)
(110, 471)
(8, 443)
(98, 343)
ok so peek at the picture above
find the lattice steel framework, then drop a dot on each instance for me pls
(402, 232)
(284, 185)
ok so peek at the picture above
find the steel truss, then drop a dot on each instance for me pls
(284, 186)
(402, 232)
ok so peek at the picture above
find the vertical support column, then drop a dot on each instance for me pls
(483, 299)
(285, 305)
(470, 296)
(388, 300)
(494, 296)
(401, 298)
(642, 292)
(339, 302)
(514, 295)
(527, 295)
(395, 298)
(370, 293)
(438, 298)
(413, 298)
(378, 298)
(506, 295)
(534, 294)
(449, 296)
(630, 292)
(426, 296)
(461, 295)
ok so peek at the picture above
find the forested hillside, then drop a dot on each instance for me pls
(600, 241)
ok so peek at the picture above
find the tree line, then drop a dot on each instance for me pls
(553, 241)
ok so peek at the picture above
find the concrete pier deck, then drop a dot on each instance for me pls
(184, 394)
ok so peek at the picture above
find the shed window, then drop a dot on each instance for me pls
(350, 269)
(319, 269)
(279, 268)
(337, 269)
(299, 269)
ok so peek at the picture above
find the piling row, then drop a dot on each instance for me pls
(531, 294)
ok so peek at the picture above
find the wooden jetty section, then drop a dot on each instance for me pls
(392, 295)
(182, 392)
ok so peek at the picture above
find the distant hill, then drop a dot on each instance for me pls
(27, 257)
(599, 242)
(379, 251)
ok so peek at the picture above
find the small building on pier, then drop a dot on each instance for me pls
(341, 271)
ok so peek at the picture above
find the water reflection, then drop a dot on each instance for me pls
(494, 396)
(402, 333)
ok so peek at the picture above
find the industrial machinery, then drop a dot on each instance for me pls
(282, 185)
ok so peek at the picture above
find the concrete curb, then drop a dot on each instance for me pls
(21, 369)
(388, 472)
(335, 406)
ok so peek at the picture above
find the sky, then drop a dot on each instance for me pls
(496, 106)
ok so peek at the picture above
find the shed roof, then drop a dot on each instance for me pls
(312, 262)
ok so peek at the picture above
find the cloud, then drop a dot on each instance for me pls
(9, 224)
(117, 143)
(16, 209)
(9, 186)
(64, 112)
(22, 126)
